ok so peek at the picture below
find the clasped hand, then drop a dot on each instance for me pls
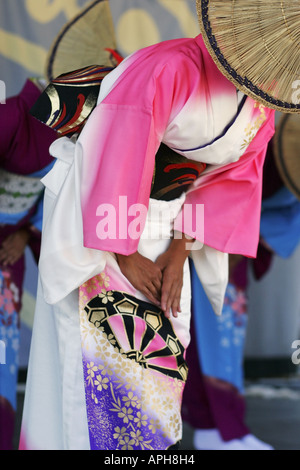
(160, 281)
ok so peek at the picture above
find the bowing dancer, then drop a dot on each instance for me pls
(122, 215)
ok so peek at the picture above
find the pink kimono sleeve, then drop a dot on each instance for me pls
(231, 198)
(119, 144)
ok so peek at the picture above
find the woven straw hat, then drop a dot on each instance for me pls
(256, 45)
(287, 151)
(85, 40)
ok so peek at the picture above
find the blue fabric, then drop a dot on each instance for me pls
(220, 340)
(37, 219)
(280, 222)
(10, 336)
(14, 219)
(41, 173)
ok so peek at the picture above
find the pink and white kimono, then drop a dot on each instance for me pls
(107, 369)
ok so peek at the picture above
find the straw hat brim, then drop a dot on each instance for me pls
(256, 45)
(287, 151)
(83, 41)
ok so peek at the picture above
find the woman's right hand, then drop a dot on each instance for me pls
(143, 274)
(13, 247)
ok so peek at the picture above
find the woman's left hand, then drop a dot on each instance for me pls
(171, 264)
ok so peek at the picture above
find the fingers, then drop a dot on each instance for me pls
(7, 258)
(9, 254)
(153, 297)
(154, 289)
(149, 282)
(157, 282)
(160, 282)
(171, 294)
(143, 274)
(13, 247)
(151, 288)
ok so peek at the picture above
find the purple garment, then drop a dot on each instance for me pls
(24, 149)
(272, 181)
(25, 141)
(7, 419)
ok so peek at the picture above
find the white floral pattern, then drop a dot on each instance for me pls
(136, 407)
